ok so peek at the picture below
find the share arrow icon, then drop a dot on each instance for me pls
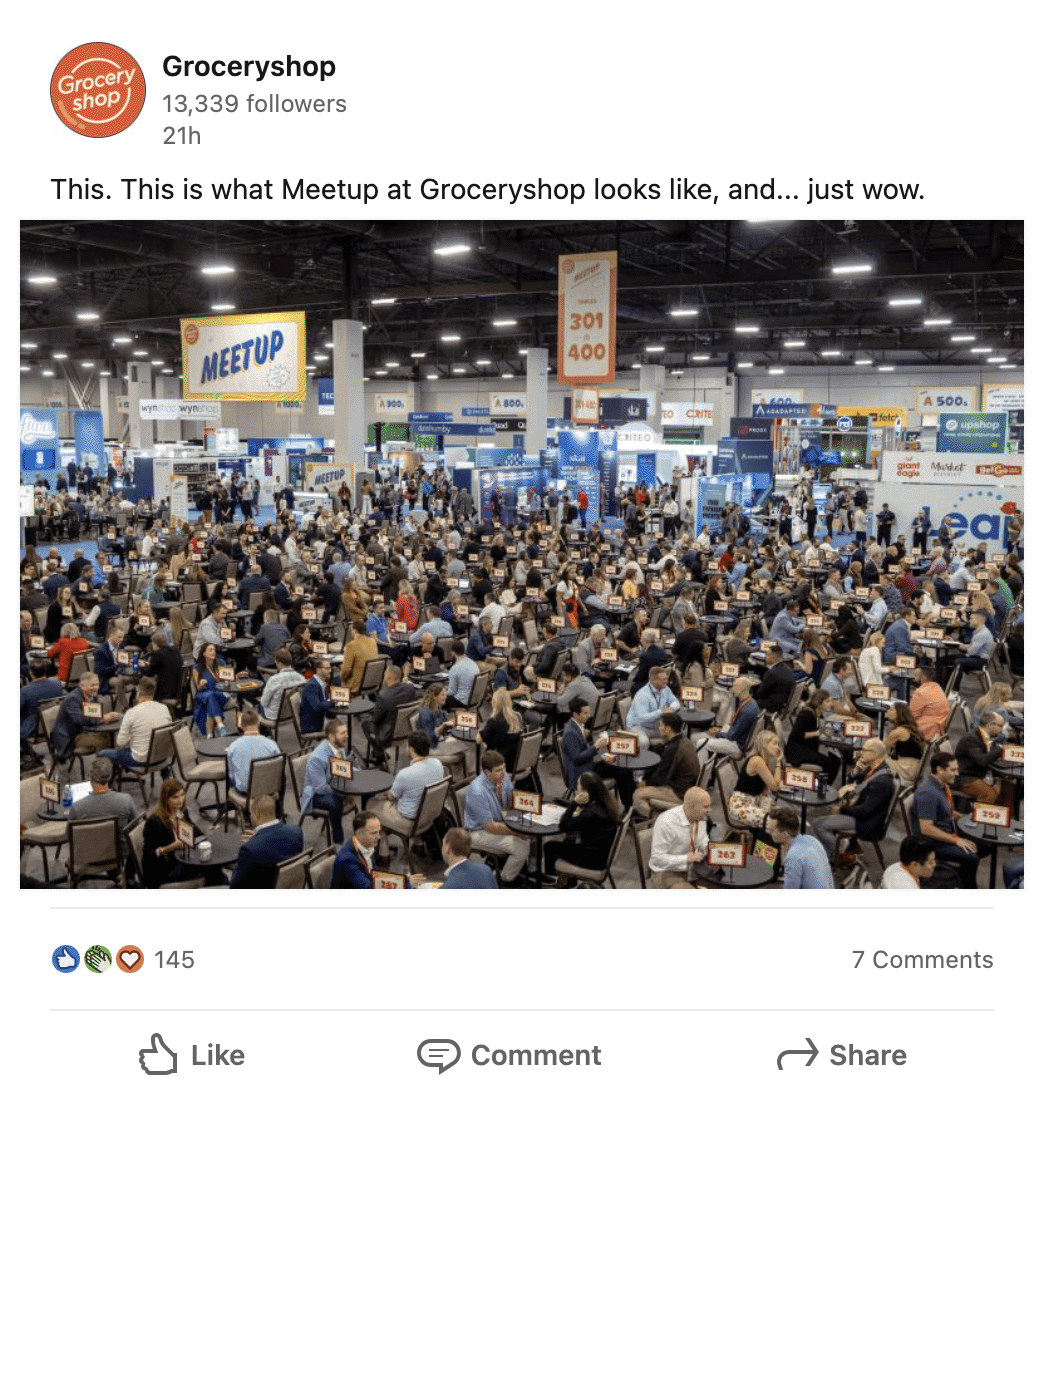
(812, 1052)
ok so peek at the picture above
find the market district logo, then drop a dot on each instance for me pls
(97, 90)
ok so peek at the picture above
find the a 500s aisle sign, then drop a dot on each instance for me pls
(587, 301)
(261, 358)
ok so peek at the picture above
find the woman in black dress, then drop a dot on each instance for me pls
(803, 745)
(159, 859)
(590, 825)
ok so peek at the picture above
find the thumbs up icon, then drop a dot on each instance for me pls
(158, 1057)
(65, 959)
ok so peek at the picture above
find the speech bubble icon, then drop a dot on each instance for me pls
(439, 1054)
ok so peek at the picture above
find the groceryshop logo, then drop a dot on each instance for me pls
(97, 90)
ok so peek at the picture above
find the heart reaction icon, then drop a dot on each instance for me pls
(129, 958)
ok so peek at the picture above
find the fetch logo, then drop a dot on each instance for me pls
(97, 90)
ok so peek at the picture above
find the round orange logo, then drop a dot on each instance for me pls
(191, 333)
(97, 90)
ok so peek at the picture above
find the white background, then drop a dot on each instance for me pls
(334, 1207)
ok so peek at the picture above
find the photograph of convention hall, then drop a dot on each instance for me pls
(522, 554)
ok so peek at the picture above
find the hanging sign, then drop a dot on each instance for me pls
(951, 399)
(176, 410)
(585, 406)
(391, 406)
(507, 404)
(259, 358)
(587, 303)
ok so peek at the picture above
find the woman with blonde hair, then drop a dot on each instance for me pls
(353, 602)
(758, 780)
(503, 730)
(870, 661)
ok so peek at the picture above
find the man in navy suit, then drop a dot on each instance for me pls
(463, 871)
(272, 843)
(577, 752)
(315, 704)
(356, 860)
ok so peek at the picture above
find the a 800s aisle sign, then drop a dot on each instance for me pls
(260, 358)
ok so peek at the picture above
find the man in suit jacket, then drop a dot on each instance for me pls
(356, 860)
(976, 752)
(464, 871)
(577, 752)
(272, 843)
(315, 702)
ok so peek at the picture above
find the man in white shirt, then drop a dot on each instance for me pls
(135, 731)
(916, 863)
(680, 839)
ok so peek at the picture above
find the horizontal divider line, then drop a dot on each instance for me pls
(526, 1010)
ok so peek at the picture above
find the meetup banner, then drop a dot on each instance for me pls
(261, 358)
(587, 303)
(90, 439)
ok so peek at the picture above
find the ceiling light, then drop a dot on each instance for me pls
(459, 369)
(482, 363)
(450, 339)
(958, 339)
(86, 364)
(217, 270)
(223, 306)
(700, 358)
(507, 376)
(418, 354)
(105, 374)
(141, 354)
(88, 315)
(776, 371)
(746, 330)
(433, 376)
(383, 301)
(905, 301)
(122, 340)
(859, 267)
(155, 361)
(59, 354)
(937, 321)
(320, 359)
(47, 373)
(504, 321)
(29, 345)
(885, 368)
(523, 352)
(42, 278)
(745, 364)
(25, 368)
(1007, 366)
(684, 311)
(792, 345)
(654, 349)
(863, 361)
(980, 349)
(167, 371)
(831, 354)
(390, 363)
(452, 249)
(993, 359)
(381, 373)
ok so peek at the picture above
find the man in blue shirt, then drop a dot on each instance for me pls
(461, 677)
(486, 800)
(786, 629)
(317, 785)
(406, 791)
(271, 843)
(245, 750)
(806, 866)
(980, 648)
(464, 871)
(648, 704)
(732, 740)
(315, 704)
(41, 688)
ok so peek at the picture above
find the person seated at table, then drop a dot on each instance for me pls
(666, 784)
(284, 678)
(301, 648)
(589, 825)
(461, 677)
(104, 803)
(576, 751)
(135, 731)
(270, 843)
(406, 791)
(680, 839)
(406, 609)
(71, 729)
(208, 630)
(651, 654)
(159, 859)
(806, 866)
(904, 741)
(247, 748)
(114, 677)
(357, 653)
(929, 705)
(379, 724)
(648, 704)
(486, 800)
(63, 610)
(504, 727)
(317, 784)
(480, 648)
(354, 603)
(68, 645)
(979, 649)
(916, 865)
(863, 804)
(42, 688)
(870, 664)
(357, 860)
(786, 629)
(464, 871)
(998, 698)
(778, 682)
(272, 635)
(803, 743)
(932, 817)
(976, 754)
(210, 699)
(758, 780)
(731, 741)
(630, 634)
(434, 720)
(315, 704)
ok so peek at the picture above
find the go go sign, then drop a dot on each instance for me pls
(587, 301)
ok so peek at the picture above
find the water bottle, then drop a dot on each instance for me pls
(66, 796)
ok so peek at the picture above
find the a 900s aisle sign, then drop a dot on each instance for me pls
(587, 298)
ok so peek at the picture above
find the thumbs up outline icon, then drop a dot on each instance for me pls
(158, 1057)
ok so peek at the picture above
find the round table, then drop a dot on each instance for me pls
(215, 747)
(224, 851)
(695, 719)
(755, 872)
(797, 796)
(847, 747)
(366, 782)
(1012, 837)
(527, 827)
(239, 648)
(359, 704)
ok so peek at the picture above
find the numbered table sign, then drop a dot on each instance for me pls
(185, 833)
(500, 643)
(856, 728)
(342, 768)
(527, 802)
(623, 745)
(993, 816)
(227, 635)
(722, 606)
(615, 601)
(387, 881)
(743, 596)
(320, 648)
(727, 854)
(587, 298)
(906, 663)
(225, 674)
(339, 694)
(608, 655)
(1013, 754)
(92, 710)
(466, 718)
(419, 664)
(814, 620)
(557, 621)
(877, 692)
(729, 670)
(692, 694)
(545, 686)
(308, 613)
(399, 627)
(37, 642)
(49, 790)
(797, 780)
